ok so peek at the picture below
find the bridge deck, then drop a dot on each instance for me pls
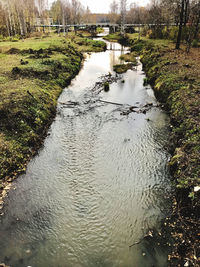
(101, 25)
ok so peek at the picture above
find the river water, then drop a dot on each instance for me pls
(100, 182)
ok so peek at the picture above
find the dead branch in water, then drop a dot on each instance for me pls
(113, 103)
(148, 235)
(69, 103)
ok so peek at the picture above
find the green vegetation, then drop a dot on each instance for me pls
(88, 45)
(176, 81)
(130, 57)
(106, 86)
(32, 74)
(118, 37)
(121, 68)
(114, 37)
(175, 76)
(99, 30)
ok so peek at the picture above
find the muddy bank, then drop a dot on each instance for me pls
(30, 86)
(175, 78)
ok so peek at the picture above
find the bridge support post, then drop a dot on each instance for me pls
(111, 29)
(93, 30)
(75, 30)
(59, 30)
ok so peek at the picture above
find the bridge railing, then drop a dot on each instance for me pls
(103, 25)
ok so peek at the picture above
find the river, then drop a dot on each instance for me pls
(99, 183)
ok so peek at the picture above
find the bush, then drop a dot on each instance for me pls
(173, 32)
(144, 31)
(138, 46)
(195, 43)
(155, 32)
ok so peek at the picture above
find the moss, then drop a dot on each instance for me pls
(115, 37)
(106, 86)
(29, 93)
(130, 57)
(121, 68)
(138, 46)
(145, 82)
(177, 85)
(123, 39)
(90, 45)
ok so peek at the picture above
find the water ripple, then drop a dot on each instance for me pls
(96, 187)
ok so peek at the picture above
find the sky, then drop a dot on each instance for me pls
(103, 6)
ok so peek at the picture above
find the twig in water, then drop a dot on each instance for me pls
(136, 243)
(108, 102)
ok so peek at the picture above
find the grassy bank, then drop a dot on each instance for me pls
(175, 76)
(33, 73)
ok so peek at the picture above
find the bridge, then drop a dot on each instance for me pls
(92, 27)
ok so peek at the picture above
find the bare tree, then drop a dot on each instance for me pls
(193, 25)
(123, 9)
(178, 41)
(113, 14)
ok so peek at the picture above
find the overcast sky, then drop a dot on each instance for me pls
(103, 6)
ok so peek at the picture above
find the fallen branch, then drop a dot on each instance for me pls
(136, 243)
(149, 234)
(108, 102)
(70, 103)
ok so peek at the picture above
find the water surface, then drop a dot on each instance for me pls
(99, 183)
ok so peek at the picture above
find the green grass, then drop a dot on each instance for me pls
(175, 76)
(130, 57)
(114, 37)
(29, 92)
(121, 68)
(178, 87)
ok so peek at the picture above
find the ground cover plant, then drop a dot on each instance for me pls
(33, 73)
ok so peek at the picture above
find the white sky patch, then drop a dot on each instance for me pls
(103, 6)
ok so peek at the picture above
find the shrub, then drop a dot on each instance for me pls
(195, 43)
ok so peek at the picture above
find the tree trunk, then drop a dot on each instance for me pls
(178, 41)
(10, 22)
(186, 12)
(63, 22)
(197, 24)
(8, 27)
(14, 26)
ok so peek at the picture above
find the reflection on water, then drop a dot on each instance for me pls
(98, 184)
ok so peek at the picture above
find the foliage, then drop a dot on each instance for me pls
(29, 92)
(114, 37)
(121, 68)
(169, 73)
(130, 57)
(195, 43)
(176, 80)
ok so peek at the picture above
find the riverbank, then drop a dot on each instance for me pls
(175, 76)
(33, 73)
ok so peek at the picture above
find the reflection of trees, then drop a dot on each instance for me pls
(114, 55)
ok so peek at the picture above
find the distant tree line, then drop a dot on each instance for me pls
(183, 14)
(19, 17)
